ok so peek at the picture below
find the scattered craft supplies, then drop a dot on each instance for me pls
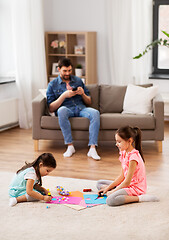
(78, 201)
(65, 200)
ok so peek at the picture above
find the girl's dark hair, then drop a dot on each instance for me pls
(134, 133)
(46, 159)
(64, 62)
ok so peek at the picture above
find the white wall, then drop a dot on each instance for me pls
(8, 90)
(8, 105)
(86, 15)
(162, 84)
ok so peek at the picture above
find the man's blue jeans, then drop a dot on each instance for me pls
(92, 114)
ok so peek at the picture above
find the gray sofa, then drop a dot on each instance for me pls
(108, 99)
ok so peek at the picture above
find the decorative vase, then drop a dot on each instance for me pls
(61, 50)
(78, 72)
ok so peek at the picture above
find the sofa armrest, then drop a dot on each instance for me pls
(38, 110)
(158, 110)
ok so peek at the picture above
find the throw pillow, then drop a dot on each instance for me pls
(43, 92)
(111, 98)
(138, 100)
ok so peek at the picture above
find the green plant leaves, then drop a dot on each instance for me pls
(166, 34)
(162, 42)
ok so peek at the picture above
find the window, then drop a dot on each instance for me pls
(160, 23)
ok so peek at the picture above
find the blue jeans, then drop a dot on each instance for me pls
(92, 114)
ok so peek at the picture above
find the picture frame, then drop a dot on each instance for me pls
(79, 50)
(55, 70)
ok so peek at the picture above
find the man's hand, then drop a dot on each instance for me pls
(69, 93)
(58, 102)
(79, 91)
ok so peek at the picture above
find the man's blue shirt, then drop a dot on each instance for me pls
(57, 87)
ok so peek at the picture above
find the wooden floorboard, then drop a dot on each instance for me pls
(16, 147)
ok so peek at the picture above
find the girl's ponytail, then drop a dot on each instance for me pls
(32, 164)
(138, 145)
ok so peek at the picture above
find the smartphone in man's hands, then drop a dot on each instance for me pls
(74, 88)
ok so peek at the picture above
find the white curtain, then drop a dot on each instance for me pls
(129, 31)
(28, 40)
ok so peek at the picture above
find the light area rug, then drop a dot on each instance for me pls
(129, 222)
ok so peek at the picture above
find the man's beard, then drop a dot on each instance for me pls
(66, 78)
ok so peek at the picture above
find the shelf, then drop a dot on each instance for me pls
(56, 54)
(84, 42)
(76, 55)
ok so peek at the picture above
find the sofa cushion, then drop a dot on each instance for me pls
(77, 123)
(138, 100)
(94, 93)
(112, 121)
(111, 98)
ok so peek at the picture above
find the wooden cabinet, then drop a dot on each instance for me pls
(80, 47)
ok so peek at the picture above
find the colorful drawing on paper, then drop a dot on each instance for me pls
(94, 199)
(65, 200)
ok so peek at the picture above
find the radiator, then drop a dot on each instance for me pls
(8, 113)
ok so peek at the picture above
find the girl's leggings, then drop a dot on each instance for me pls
(115, 199)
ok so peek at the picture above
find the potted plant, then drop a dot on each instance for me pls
(162, 42)
(78, 70)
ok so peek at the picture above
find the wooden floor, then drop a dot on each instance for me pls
(16, 147)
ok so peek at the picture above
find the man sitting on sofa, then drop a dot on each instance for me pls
(67, 96)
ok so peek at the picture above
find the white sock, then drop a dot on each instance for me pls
(92, 153)
(147, 198)
(69, 152)
(12, 202)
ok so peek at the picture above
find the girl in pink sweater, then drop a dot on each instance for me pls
(130, 186)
